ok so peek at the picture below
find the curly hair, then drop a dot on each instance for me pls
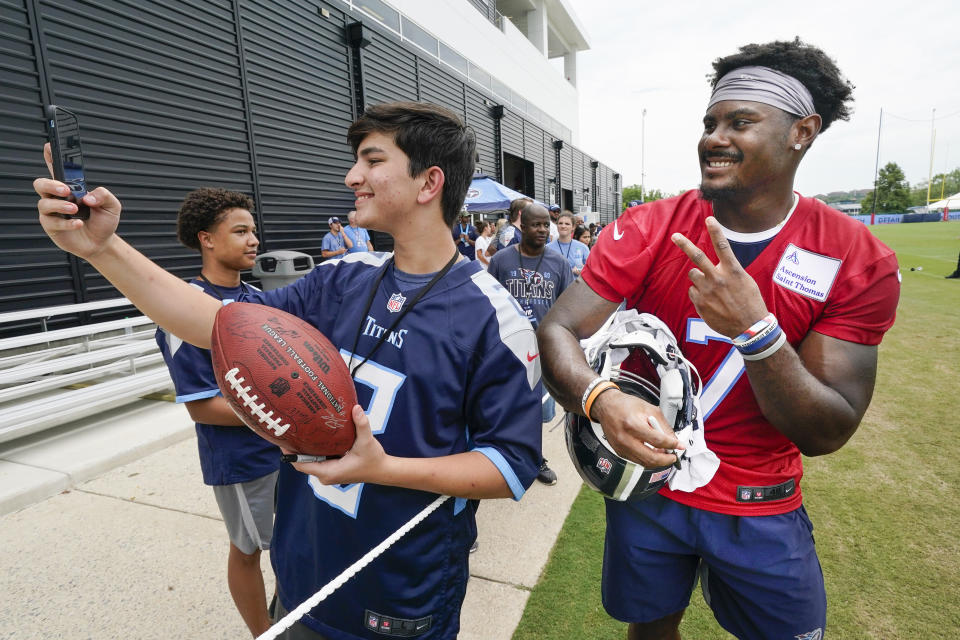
(832, 93)
(203, 209)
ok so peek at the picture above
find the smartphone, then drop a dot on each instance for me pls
(63, 129)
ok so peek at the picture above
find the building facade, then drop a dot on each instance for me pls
(255, 96)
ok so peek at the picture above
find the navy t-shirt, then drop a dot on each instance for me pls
(228, 455)
(535, 283)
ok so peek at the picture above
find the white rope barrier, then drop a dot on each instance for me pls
(287, 621)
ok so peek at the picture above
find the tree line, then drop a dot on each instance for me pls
(895, 195)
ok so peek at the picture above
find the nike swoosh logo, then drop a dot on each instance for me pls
(531, 358)
(617, 234)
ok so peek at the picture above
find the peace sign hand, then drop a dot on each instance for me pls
(724, 295)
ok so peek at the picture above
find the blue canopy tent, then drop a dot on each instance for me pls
(486, 194)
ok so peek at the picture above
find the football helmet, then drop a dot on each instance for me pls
(595, 460)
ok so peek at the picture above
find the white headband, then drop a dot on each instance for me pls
(766, 85)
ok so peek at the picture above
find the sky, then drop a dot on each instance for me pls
(902, 57)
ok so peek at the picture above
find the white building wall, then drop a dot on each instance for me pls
(507, 55)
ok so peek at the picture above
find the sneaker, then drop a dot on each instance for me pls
(546, 475)
(474, 546)
(953, 276)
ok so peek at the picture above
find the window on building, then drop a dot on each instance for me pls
(412, 32)
(385, 14)
(454, 59)
(479, 76)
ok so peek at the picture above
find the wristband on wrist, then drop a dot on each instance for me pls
(605, 385)
(586, 393)
(757, 331)
(768, 351)
(758, 345)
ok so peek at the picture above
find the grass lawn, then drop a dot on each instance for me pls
(885, 507)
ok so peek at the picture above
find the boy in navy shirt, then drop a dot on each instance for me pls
(444, 408)
(239, 465)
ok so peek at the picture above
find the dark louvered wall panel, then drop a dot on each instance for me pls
(33, 272)
(511, 133)
(159, 115)
(480, 119)
(440, 87)
(533, 151)
(566, 167)
(389, 71)
(549, 169)
(167, 105)
(298, 72)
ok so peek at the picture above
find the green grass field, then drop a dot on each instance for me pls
(885, 507)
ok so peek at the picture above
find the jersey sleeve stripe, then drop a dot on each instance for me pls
(199, 395)
(515, 330)
(505, 470)
(371, 258)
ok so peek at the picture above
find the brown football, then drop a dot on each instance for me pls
(284, 379)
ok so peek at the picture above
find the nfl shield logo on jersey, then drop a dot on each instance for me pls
(395, 303)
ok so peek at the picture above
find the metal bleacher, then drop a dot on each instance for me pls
(53, 377)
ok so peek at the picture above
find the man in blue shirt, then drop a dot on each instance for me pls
(239, 465)
(535, 277)
(335, 243)
(465, 235)
(446, 368)
(357, 235)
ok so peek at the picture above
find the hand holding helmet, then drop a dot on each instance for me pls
(620, 459)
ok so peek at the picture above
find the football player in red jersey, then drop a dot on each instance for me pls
(783, 289)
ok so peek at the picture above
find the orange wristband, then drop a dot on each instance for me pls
(597, 390)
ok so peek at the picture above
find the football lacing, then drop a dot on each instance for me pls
(250, 402)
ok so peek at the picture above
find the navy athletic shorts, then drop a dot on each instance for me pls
(759, 574)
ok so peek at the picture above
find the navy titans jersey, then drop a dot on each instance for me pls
(460, 373)
(228, 455)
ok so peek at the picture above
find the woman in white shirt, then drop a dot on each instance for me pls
(483, 241)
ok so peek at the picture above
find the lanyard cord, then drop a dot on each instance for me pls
(216, 289)
(373, 294)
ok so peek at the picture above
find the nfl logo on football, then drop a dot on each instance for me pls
(395, 303)
(604, 466)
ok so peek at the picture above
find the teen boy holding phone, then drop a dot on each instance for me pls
(456, 421)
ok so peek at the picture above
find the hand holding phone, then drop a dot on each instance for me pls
(63, 130)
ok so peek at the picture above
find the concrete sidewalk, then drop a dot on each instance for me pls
(132, 545)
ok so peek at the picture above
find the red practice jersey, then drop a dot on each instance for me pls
(822, 272)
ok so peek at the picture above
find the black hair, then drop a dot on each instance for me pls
(832, 93)
(430, 136)
(202, 209)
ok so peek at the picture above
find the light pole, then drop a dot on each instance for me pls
(643, 123)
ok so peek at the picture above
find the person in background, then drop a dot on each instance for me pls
(566, 245)
(240, 466)
(335, 243)
(956, 272)
(357, 235)
(535, 276)
(554, 216)
(509, 234)
(582, 234)
(483, 241)
(465, 235)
